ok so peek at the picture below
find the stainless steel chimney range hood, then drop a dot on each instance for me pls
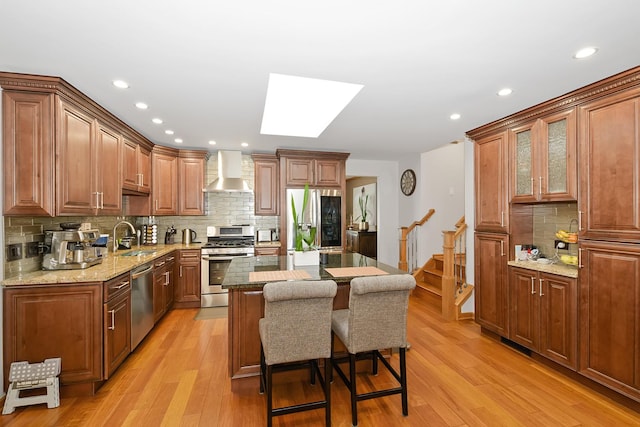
(229, 174)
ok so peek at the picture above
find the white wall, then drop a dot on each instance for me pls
(409, 206)
(388, 188)
(442, 187)
(1, 257)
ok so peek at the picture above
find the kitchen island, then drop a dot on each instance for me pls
(247, 275)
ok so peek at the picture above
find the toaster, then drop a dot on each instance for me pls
(264, 235)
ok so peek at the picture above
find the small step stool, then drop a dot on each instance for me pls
(26, 376)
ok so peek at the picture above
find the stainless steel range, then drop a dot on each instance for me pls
(224, 243)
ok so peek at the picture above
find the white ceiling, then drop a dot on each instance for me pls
(202, 66)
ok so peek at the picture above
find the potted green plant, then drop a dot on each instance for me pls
(362, 201)
(304, 234)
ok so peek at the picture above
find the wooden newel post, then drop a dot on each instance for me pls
(402, 263)
(448, 278)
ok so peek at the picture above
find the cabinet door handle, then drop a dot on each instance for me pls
(156, 205)
(540, 186)
(541, 280)
(122, 285)
(113, 320)
(166, 278)
(180, 271)
(532, 192)
(502, 219)
(580, 258)
(533, 286)
(501, 247)
(97, 206)
(579, 220)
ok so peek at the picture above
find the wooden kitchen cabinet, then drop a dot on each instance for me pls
(246, 308)
(164, 188)
(266, 250)
(88, 166)
(266, 184)
(544, 314)
(191, 170)
(609, 134)
(609, 313)
(316, 168)
(492, 184)
(136, 168)
(163, 285)
(64, 321)
(363, 242)
(28, 153)
(491, 286)
(314, 172)
(117, 322)
(543, 159)
(108, 170)
(62, 152)
(74, 167)
(187, 280)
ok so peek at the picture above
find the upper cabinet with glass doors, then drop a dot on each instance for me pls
(543, 153)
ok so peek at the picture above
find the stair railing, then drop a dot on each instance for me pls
(454, 279)
(409, 244)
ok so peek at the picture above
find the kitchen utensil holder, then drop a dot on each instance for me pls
(29, 376)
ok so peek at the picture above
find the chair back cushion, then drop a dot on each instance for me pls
(377, 317)
(297, 320)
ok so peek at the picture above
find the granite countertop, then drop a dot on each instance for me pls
(275, 244)
(237, 276)
(112, 265)
(559, 268)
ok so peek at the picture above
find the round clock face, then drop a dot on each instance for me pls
(408, 182)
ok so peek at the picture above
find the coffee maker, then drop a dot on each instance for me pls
(70, 249)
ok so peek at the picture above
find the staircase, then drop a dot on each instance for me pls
(429, 280)
(443, 277)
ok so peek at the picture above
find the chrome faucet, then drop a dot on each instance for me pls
(133, 230)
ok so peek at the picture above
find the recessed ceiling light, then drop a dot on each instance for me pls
(142, 105)
(244, 144)
(301, 106)
(455, 116)
(212, 142)
(585, 52)
(504, 92)
(168, 132)
(178, 140)
(120, 84)
(157, 121)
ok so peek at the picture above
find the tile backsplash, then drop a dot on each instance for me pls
(549, 218)
(220, 209)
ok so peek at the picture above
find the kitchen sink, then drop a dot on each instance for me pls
(139, 252)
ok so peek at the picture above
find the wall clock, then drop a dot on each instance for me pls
(408, 182)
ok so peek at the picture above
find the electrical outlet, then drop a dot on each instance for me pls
(14, 251)
(32, 249)
(559, 244)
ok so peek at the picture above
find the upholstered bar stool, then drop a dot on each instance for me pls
(295, 332)
(376, 319)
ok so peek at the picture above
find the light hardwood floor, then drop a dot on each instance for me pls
(457, 377)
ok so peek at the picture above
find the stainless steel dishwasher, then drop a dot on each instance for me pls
(141, 303)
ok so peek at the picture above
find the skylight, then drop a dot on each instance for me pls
(302, 106)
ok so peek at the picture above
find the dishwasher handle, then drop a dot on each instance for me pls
(136, 274)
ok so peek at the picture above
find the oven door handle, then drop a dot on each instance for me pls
(222, 258)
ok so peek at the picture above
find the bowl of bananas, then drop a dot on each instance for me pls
(569, 259)
(567, 236)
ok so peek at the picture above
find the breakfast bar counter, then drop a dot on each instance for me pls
(247, 275)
